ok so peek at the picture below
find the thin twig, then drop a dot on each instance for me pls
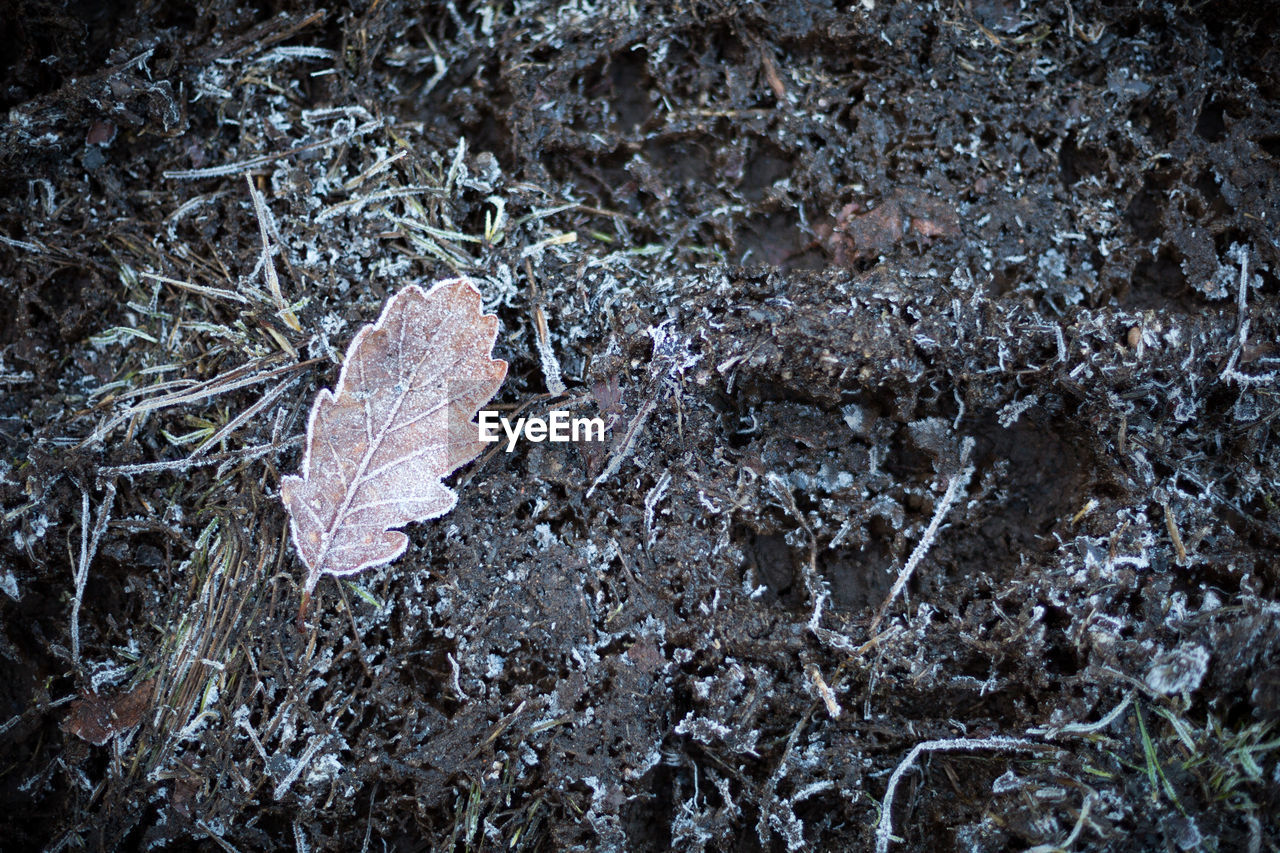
(884, 829)
(550, 364)
(625, 447)
(368, 828)
(955, 485)
(770, 793)
(35, 710)
(261, 160)
(247, 454)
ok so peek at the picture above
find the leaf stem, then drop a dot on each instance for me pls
(302, 612)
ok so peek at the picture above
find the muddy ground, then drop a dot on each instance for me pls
(979, 297)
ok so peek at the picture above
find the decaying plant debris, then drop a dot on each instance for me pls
(939, 347)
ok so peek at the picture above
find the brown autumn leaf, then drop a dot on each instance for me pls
(399, 420)
(860, 232)
(98, 718)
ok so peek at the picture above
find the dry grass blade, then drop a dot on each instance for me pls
(203, 290)
(201, 666)
(235, 423)
(238, 377)
(265, 227)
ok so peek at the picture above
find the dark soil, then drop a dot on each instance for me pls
(987, 290)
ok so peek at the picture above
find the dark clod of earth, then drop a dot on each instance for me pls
(939, 348)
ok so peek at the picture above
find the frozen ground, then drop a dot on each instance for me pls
(939, 505)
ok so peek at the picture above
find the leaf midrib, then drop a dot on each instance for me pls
(327, 539)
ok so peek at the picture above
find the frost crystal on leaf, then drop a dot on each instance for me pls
(399, 420)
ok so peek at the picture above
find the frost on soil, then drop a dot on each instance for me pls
(796, 257)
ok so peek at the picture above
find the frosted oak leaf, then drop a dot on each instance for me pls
(399, 420)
